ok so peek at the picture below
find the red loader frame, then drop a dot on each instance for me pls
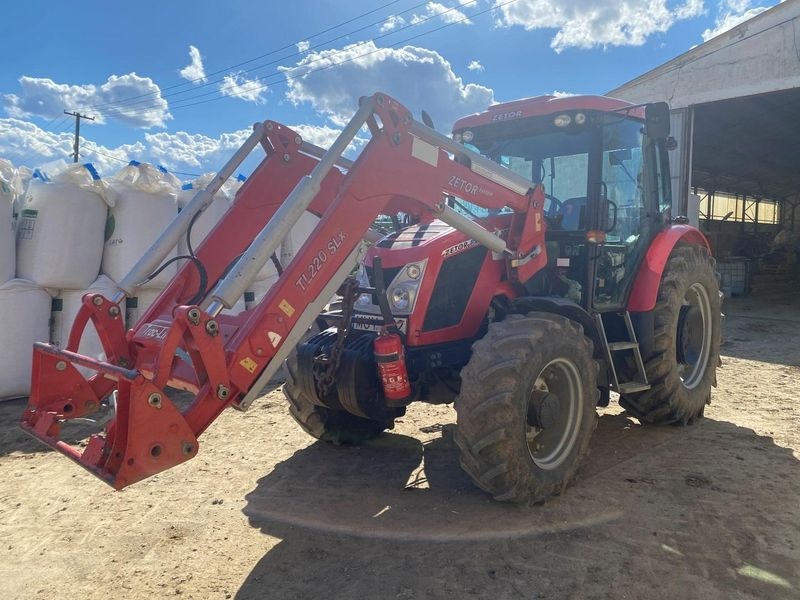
(405, 167)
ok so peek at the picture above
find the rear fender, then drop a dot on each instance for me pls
(645, 286)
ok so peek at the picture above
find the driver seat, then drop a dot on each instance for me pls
(574, 214)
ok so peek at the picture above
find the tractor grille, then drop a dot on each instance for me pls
(453, 288)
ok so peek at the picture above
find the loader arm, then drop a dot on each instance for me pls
(186, 341)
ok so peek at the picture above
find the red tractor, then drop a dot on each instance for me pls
(534, 267)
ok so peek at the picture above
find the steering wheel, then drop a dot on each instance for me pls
(555, 204)
(553, 216)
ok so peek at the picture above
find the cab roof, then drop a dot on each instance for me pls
(545, 105)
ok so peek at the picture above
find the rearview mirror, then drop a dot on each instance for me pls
(656, 118)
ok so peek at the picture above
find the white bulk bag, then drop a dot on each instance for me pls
(65, 308)
(290, 245)
(206, 221)
(60, 228)
(231, 187)
(26, 310)
(8, 192)
(145, 205)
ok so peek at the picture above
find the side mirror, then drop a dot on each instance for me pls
(656, 118)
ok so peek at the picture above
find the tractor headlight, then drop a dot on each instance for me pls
(467, 136)
(400, 297)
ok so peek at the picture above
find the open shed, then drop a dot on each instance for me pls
(735, 103)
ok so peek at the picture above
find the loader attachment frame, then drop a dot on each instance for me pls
(186, 341)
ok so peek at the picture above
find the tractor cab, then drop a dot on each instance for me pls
(606, 184)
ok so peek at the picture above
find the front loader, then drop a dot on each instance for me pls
(534, 267)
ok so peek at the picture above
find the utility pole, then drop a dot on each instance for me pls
(78, 116)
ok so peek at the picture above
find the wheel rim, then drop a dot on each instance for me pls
(694, 335)
(551, 445)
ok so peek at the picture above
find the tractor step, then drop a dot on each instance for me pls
(639, 382)
(632, 387)
(615, 346)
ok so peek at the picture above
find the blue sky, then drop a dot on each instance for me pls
(163, 82)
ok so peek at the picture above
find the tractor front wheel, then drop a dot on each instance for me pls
(526, 410)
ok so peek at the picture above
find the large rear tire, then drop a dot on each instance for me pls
(681, 364)
(526, 410)
(335, 426)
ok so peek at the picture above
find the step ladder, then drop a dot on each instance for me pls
(639, 383)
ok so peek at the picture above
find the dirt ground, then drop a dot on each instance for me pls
(708, 511)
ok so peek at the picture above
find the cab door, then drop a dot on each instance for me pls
(631, 195)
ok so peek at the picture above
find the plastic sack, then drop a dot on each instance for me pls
(208, 218)
(145, 204)
(9, 182)
(26, 307)
(60, 228)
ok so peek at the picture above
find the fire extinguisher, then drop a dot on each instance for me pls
(391, 359)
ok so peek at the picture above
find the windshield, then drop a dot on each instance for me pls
(562, 161)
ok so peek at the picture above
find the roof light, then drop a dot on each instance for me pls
(467, 136)
(562, 120)
(580, 119)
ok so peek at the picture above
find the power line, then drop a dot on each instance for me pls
(229, 69)
(153, 101)
(285, 79)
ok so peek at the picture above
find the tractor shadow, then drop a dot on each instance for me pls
(654, 511)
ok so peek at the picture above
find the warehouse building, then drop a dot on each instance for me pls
(735, 103)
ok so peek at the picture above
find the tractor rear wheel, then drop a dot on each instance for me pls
(526, 409)
(335, 426)
(681, 364)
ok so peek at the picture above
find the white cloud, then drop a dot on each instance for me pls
(324, 135)
(130, 98)
(601, 23)
(393, 22)
(303, 46)
(736, 14)
(448, 14)
(418, 77)
(26, 144)
(237, 85)
(194, 71)
(193, 151)
(475, 65)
